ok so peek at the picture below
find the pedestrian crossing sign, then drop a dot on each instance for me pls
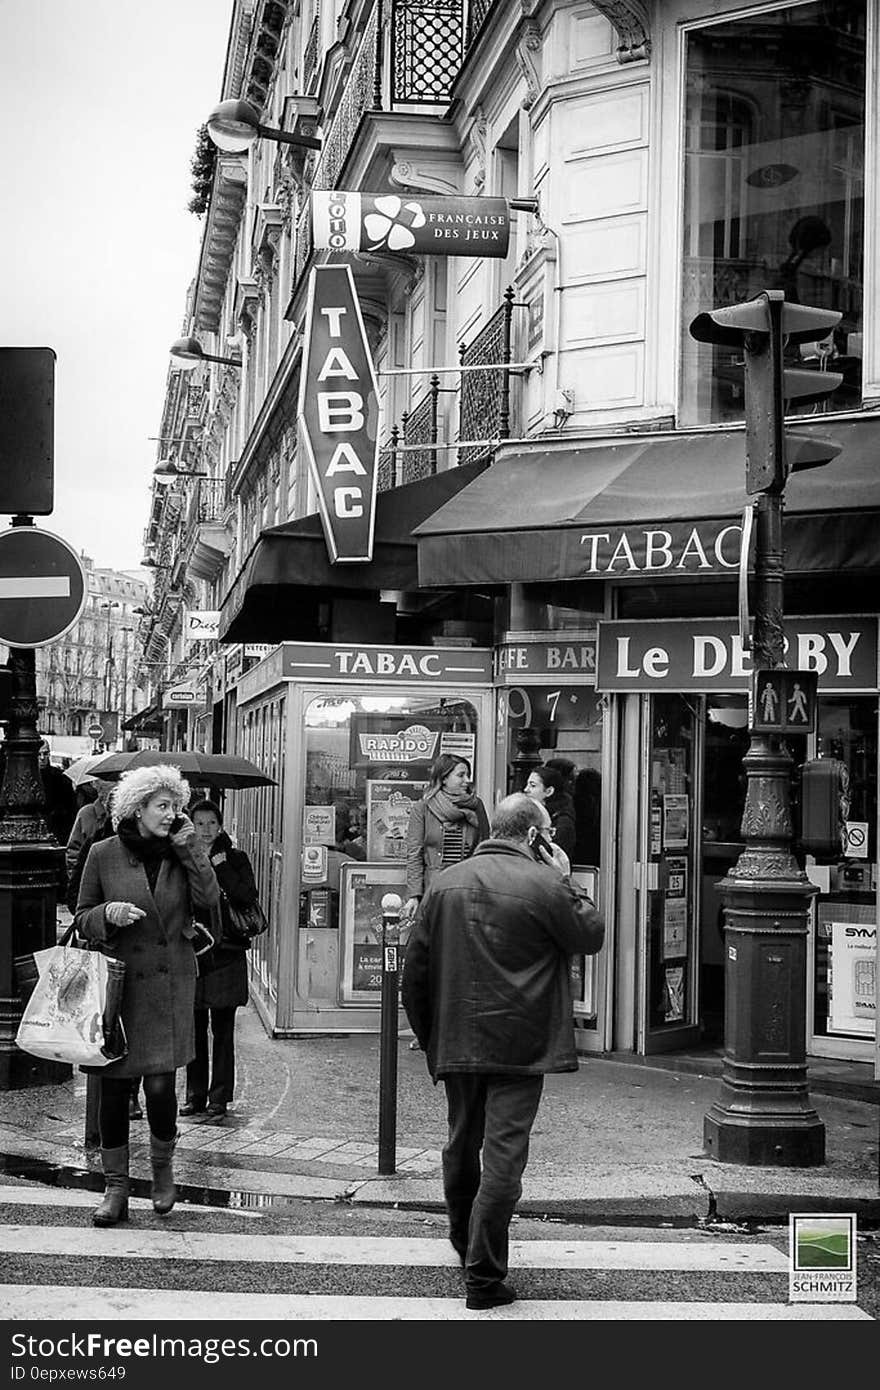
(784, 702)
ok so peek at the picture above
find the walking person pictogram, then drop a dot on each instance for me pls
(797, 706)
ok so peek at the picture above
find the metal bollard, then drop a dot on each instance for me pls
(391, 905)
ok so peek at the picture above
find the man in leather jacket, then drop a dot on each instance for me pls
(486, 989)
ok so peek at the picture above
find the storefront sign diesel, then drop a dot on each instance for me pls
(708, 654)
(436, 665)
(339, 414)
(347, 221)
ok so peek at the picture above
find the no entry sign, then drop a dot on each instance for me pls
(42, 587)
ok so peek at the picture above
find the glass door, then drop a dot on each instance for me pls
(668, 961)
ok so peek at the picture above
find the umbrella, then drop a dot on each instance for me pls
(216, 769)
(81, 770)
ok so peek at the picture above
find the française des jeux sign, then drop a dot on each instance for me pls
(343, 220)
(339, 413)
(708, 654)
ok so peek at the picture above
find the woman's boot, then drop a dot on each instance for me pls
(115, 1204)
(163, 1191)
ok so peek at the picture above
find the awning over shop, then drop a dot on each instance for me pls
(147, 721)
(662, 506)
(289, 569)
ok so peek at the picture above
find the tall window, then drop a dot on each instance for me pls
(774, 188)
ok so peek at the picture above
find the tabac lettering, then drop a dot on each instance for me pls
(693, 551)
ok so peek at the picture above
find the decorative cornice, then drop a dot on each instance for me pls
(630, 19)
(218, 243)
(528, 44)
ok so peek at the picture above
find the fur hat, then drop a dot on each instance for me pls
(140, 784)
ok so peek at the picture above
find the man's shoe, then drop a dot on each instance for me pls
(495, 1296)
(192, 1107)
(215, 1111)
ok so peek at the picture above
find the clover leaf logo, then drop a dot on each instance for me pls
(389, 226)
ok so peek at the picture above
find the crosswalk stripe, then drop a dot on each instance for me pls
(79, 1197)
(122, 1242)
(66, 1303)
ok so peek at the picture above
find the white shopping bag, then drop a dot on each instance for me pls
(73, 1013)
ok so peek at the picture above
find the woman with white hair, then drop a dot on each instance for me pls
(138, 892)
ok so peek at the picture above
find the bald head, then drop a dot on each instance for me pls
(515, 815)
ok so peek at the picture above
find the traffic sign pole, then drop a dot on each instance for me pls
(30, 865)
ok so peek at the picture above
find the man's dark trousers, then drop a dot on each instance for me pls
(494, 1112)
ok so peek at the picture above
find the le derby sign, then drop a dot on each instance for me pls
(709, 654)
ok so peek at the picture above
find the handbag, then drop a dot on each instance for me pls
(203, 944)
(243, 923)
(72, 999)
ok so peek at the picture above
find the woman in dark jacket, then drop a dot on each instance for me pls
(545, 784)
(223, 982)
(138, 892)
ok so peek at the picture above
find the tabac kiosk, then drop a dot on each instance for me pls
(349, 734)
(348, 731)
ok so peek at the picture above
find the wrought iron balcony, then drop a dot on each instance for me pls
(484, 407)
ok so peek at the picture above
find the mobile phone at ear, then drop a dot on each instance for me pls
(176, 825)
(538, 844)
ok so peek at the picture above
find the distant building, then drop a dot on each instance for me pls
(91, 671)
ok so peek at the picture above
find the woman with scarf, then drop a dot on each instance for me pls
(137, 896)
(444, 827)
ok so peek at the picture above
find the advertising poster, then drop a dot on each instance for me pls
(676, 876)
(674, 928)
(460, 746)
(674, 992)
(319, 825)
(852, 972)
(388, 809)
(675, 822)
(362, 887)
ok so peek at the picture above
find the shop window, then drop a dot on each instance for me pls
(845, 943)
(774, 188)
(368, 760)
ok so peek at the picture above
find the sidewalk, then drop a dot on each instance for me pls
(620, 1140)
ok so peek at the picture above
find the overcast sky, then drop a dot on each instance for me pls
(100, 102)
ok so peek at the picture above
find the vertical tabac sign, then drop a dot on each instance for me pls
(339, 413)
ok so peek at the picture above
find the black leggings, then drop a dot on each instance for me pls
(161, 1097)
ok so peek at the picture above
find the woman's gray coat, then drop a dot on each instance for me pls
(160, 965)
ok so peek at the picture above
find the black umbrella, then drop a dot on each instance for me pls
(225, 770)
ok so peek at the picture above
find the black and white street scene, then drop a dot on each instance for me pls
(439, 676)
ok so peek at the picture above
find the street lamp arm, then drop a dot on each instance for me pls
(307, 142)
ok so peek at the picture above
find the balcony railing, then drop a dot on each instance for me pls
(427, 47)
(484, 407)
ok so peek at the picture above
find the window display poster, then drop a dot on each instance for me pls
(852, 979)
(675, 822)
(362, 887)
(460, 746)
(676, 876)
(319, 825)
(656, 824)
(674, 928)
(674, 994)
(388, 809)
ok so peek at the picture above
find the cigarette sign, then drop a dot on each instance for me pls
(339, 413)
(348, 221)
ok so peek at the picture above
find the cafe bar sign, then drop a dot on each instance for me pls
(344, 220)
(691, 654)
